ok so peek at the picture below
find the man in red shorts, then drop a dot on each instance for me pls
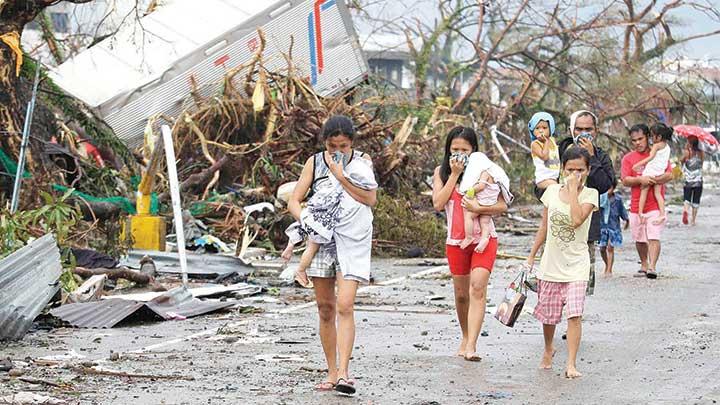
(646, 235)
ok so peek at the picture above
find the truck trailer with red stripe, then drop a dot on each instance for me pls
(150, 67)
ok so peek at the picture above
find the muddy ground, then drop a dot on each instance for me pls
(644, 341)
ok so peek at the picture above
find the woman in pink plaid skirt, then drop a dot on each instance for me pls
(565, 265)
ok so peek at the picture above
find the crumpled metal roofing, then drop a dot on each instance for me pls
(110, 312)
(28, 281)
(199, 265)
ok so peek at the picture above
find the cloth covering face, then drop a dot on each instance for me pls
(566, 257)
(333, 216)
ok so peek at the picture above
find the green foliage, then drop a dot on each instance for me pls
(522, 177)
(398, 221)
(56, 216)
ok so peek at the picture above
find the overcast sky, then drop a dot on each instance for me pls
(693, 22)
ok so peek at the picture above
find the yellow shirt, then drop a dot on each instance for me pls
(565, 257)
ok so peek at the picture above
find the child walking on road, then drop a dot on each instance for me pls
(565, 263)
(612, 210)
(655, 165)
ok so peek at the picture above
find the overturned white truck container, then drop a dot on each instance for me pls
(150, 66)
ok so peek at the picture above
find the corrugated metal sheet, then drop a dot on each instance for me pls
(199, 265)
(28, 281)
(97, 314)
(111, 312)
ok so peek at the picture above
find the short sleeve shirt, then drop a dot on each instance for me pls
(626, 170)
(566, 258)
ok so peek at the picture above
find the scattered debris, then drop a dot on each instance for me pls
(30, 398)
(495, 395)
(92, 259)
(205, 291)
(6, 365)
(16, 372)
(136, 277)
(441, 261)
(113, 373)
(28, 281)
(58, 358)
(90, 290)
(37, 381)
(278, 358)
(178, 303)
(199, 265)
(147, 266)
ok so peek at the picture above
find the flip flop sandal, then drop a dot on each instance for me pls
(325, 386)
(472, 357)
(640, 273)
(345, 387)
(652, 275)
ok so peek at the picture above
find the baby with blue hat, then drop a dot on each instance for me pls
(544, 151)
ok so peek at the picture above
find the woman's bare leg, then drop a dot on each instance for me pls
(476, 312)
(325, 297)
(347, 289)
(461, 285)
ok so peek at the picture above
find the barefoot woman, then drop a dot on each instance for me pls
(470, 270)
(346, 261)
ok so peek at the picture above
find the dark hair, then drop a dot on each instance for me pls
(694, 143)
(462, 133)
(576, 152)
(640, 127)
(338, 125)
(665, 132)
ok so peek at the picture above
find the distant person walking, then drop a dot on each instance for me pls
(612, 210)
(646, 234)
(470, 269)
(692, 166)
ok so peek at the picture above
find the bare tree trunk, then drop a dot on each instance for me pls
(14, 15)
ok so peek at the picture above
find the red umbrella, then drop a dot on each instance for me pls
(687, 131)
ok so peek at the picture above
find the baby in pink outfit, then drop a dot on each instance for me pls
(483, 180)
